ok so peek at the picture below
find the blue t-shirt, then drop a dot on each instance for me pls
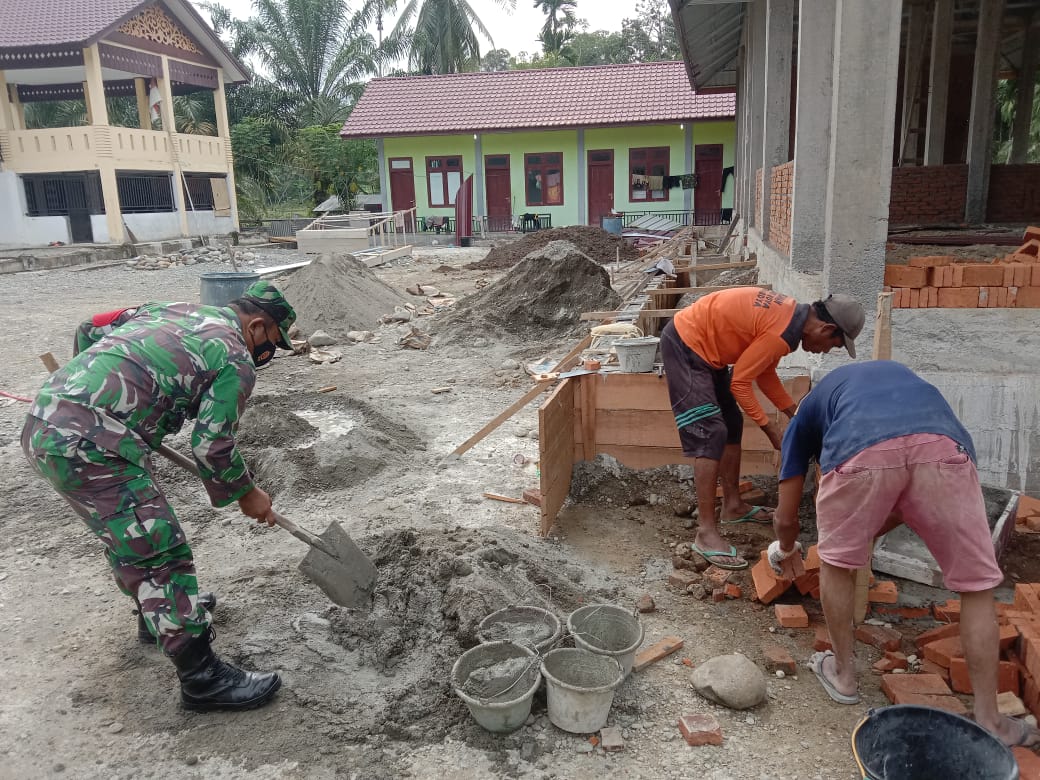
(860, 405)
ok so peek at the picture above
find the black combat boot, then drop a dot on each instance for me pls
(207, 683)
(144, 636)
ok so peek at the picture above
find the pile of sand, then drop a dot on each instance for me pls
(598, 244)
(542, 297)
(337, 293)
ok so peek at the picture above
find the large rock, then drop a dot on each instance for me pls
(730, 680)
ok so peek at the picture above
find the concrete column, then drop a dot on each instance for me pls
(1024, 93)
(384, 176)
(224, 133)
(169, 125)
(863, 114)
(938, 83)
(583, 187)
(6, 117)
(688, 163)
(756, 98)
(478, 176)
(94, 87)
(144, 113)
(812, 133)
(983, 107)
(17, 109)
(914, 55)
(776, 128)
(738, 151)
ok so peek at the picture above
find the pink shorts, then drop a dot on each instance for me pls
(929, 479)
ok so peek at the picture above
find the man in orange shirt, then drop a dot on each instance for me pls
(750, 329)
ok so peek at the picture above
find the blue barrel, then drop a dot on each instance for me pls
(220, 288)
(611, 225)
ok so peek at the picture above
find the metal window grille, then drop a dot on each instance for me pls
(139, 192)
(55, 195)
(198, 192)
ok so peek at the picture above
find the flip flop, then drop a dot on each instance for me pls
(1026, 733)
(709, 555)
(816, 664)
(750, 517)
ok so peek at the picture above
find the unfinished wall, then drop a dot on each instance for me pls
(781, 188)
(758, 197)
(928, 194)
(1014, 194)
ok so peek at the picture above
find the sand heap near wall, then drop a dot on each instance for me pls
(598, 244)
(337, 293)
(542, 297)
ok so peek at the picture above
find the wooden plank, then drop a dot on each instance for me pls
(644, 457)
(587, 390)
(555, 443)
(631, 391)
(708, 289)
(636, 427)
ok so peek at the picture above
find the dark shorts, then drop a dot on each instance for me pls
(706, 413)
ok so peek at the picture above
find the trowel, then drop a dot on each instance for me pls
(334, 563)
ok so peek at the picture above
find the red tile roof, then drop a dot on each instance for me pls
(533, 99)
(57, 22)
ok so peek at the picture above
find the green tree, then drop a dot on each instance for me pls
(558, 31)
(599, 48)
(1007, 93)
(650, 35)
(444, 36)
(495, 60)
(338, 167)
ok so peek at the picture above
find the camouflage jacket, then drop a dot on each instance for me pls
(170, 362)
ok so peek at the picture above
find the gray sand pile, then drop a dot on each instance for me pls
(337, 293)
(543, 296)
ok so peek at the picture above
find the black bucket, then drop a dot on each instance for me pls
(909, 742)
(465, 240)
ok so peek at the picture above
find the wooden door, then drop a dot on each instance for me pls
(498, 192)
(707, 198)
(402, 188)
(601, 184)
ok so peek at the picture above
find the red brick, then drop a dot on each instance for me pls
(1031, 234)
(656, 652)
(949, 703)
(959, 297)
(1027, 298)
(1009, 275)
(915, 299)
(940, 632)
(1028, 763)
(905, 276)
(682, 579)
(533, 496)
(931, 261)
(700, 729)
(905, 613)
(793, 567)
(878, 636)
(932, 296)
(1026, 599)
(927, 667)
(943, 651)
(808, 582)
(716, 577)
(948, 612)
(610, 739)
(1035, 282)
(768, 586)
(718, 595)
(1007, 677)
(822, 640)
(812, 558)
(983, 275)
(1008, 636)
(897, 686)
(778, 658)
(1012, 297)
(897, 656)
(1019, 257)
(883, 593)
(791, 615)
(958, 275)
(1023, 274)
(984, 302)
(733, 591)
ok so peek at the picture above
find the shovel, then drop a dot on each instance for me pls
(334, 563)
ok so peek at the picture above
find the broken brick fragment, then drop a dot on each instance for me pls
(700, 729)
(878, 636)
(791, 615)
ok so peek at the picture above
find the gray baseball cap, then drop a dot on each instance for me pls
(848, 314)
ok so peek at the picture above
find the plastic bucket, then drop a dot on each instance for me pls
(608, 630)
(526, 626)
(611, 224)
(497, 682)
(579, 688)
(466, 241)
(219, 288)
(911, 742)
(636, 356)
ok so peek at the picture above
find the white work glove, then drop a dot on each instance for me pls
(777, 556)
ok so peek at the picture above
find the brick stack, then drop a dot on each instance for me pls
(758, 195)
(943, 281)
(780, 189)
(803, 575)
(1027, 516)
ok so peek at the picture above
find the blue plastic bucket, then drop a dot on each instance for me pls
(910, 742)
(612, 224)
(219, 288)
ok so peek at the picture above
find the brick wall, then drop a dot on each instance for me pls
(758, 197)
(781, 186)
(1014, 194)
(931, 194)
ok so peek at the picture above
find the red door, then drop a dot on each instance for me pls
(402, 188)
(601, 184)
(497, 192)
(707, 198)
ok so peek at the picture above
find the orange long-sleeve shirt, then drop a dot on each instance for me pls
(750, 329)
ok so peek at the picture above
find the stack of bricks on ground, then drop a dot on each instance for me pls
(946, 282)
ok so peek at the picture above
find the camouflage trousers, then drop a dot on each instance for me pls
(119, 501)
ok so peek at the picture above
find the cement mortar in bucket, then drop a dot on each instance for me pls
(579, 688)
(526, 626)
(609, 630)
(636, 356)
(497, 682)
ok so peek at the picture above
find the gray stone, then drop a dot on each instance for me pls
(730, 680)
(321, 339)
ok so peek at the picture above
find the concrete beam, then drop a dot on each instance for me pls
(776, 128)
(938, 83)
(812, 133)
(756, 99)
(859, 180)
(1025, 86)
(983, 108)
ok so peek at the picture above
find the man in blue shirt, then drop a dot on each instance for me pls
(891, 450)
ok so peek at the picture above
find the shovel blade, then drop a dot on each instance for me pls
(349, 577)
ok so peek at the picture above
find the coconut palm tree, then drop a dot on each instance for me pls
(444, 36)
(558, 31)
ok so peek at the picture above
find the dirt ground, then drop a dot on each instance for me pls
(366, 694)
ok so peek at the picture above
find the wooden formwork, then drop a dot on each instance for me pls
(629, 417)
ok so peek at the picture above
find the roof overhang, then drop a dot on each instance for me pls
(709, 35)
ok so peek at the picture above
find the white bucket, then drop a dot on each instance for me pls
(497, 682)
(636, 356)
(609, 630)
(579, 688)
(526, 626)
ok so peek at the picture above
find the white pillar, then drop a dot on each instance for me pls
(983, 106)
(169, 124)
(756, 98)
(913, 59)
(812, 133)
(863, 110)
(384, 178)
(776, 126)
(739, 165)
(583, 185)
(224, 132)
(478, 206)
(97, 110)
(94, 87)
(938, 83)
(1024, 93)
(688, 164)
(6, 117)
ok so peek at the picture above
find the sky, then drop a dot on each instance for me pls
(516, 30)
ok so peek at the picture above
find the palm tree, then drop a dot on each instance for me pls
(559, 29)
(444, 36)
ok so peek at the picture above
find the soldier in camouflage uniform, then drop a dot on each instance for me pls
(91, 432)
